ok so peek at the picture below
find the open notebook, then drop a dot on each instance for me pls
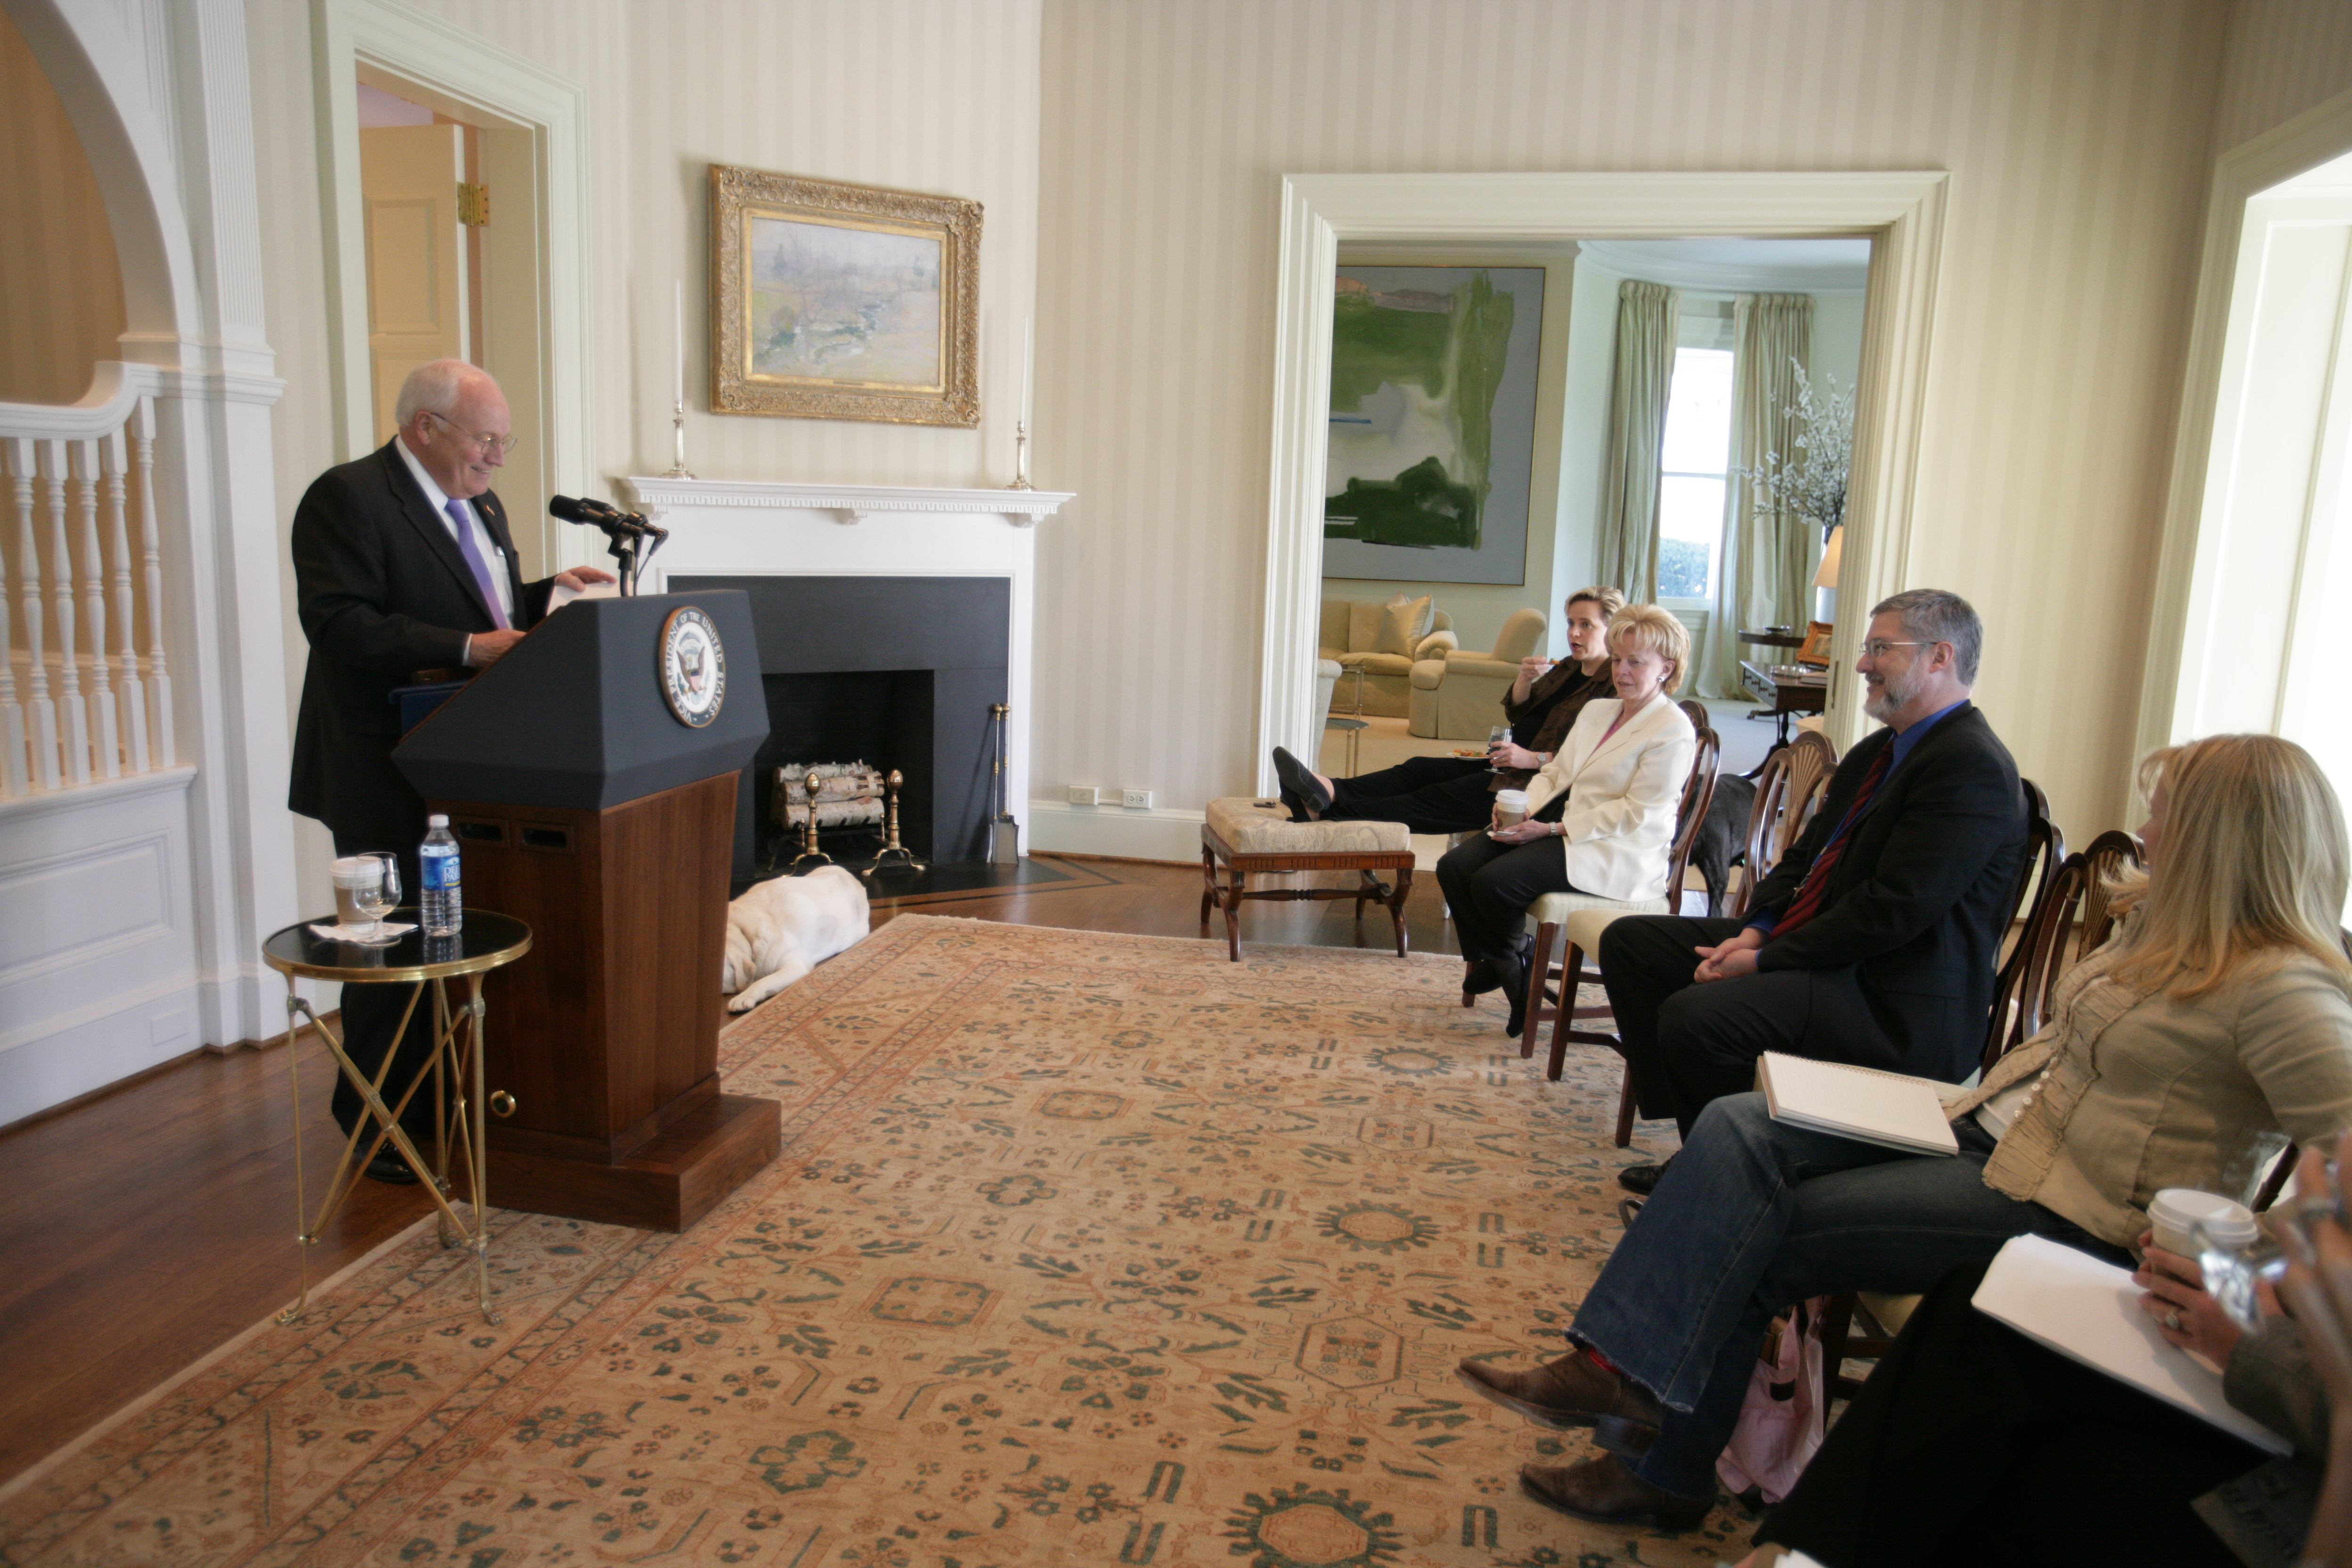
(1891, 1108)
(2089, 1311)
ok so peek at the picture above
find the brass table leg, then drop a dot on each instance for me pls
(459, 1119)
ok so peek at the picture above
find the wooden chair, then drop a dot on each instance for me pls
(2019, 1005)
(1756, 854)
(1582, 918)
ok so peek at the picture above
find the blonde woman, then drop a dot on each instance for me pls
(1601, 815)
(2213, 1027)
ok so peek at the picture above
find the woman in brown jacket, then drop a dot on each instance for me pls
(2215, 1027)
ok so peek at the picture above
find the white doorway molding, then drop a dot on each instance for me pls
(481, 83)
(2256, 483)
(1902, 213)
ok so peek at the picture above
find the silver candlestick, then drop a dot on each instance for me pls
(678, 469)
(1021, 457)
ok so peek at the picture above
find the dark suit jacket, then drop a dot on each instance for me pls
(382, 593)
(1921, 896)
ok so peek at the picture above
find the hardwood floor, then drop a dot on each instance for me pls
(146, 1227)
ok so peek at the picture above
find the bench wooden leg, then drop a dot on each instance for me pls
(1208, 884)
(1396, 905)
(1233, 903)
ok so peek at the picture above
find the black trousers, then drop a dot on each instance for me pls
(1428, 795)
(1970, 1444)
(1687, 1044)
(1490, 884)
(371, 1013)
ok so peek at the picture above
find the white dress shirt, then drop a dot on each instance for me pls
(492, 556)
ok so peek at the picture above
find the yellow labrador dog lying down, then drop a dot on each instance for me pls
(787, 926)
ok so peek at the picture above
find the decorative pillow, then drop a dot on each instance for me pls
(1403, 623)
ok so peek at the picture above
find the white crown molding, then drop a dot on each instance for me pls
(848, 503)
(1727, 276)
(1900, 211)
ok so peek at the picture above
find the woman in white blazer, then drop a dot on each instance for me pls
(1601, 815)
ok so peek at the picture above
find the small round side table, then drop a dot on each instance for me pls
(483, 942)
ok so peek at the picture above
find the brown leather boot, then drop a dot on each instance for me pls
(1572, 1392)
(1602, 1490)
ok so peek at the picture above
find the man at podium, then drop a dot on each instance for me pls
(403, 563)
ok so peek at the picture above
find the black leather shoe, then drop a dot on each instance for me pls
(1298, 779)
(1480, 977)
(1643, 1180)
(1514, 991)
(391, 1169)
(1602, 1490)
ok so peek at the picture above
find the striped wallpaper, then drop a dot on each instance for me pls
(2078, 136)
(1129, 153)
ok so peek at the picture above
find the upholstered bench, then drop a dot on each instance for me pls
(1249, 836)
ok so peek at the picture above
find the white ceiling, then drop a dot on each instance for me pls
(1792, 266)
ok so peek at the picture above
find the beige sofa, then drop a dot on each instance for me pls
(1459, 697)
(1351, 639)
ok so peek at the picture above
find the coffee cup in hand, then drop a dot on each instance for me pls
(2174, 1212)
(1510, 807)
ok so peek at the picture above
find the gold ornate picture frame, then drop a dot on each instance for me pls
(832, 302)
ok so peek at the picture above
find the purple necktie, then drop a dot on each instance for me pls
(482, 568)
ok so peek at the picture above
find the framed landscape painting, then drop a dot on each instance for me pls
(833, 301)
(1432, 423)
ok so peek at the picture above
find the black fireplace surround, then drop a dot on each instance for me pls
(899, 672)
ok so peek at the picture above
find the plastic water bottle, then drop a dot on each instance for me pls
(439, 899)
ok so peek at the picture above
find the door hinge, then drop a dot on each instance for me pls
(473, 204)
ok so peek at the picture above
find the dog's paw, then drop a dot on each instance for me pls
(742, 1004)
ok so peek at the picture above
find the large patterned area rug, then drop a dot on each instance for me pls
(1082, 1249)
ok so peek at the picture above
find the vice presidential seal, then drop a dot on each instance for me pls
(693, 666)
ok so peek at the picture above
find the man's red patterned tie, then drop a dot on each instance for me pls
(1808, 902)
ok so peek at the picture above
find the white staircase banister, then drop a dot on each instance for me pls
(114, 389)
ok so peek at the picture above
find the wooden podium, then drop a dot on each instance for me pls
(585, 807)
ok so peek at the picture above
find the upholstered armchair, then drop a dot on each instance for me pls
(1459, 697)
(1383, 640)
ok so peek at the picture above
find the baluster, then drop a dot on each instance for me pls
(73, 714)
(131, 695)
(21, 468)
(13, 780)
(159, 678)
(106, 742)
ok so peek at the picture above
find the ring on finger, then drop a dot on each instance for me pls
(2171, 1320)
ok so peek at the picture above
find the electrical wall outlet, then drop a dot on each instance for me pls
(1084, 795)
(1136, 799)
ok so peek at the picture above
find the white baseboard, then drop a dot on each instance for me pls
(1056, 827)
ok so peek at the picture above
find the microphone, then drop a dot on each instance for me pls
(595, 514)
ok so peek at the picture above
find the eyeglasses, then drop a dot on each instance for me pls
(489, 445)
(1876, 647)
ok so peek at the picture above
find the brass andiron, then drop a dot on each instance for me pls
(809, 857)
(1003, 833)
(895, 854)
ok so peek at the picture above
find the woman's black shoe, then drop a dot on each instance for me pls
(1480, 977)
(1515, 991)
(1298, 779)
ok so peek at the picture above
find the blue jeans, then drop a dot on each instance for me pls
(1754, 1215)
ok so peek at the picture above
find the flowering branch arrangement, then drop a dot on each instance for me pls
(1809, 483)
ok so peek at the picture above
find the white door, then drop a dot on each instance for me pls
(409, 176)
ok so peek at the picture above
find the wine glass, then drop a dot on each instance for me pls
(379, 898)
(1497, 736)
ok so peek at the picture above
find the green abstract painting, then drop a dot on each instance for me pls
(1432, 423)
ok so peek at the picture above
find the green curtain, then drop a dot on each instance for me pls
(1768, 557)
(1645, 372)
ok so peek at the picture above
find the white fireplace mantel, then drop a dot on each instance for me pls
(727, 528)
(846, 503)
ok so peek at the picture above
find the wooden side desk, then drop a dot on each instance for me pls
(1781, 698)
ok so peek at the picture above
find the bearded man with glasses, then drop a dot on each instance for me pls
(1875, 938)
(403, 563)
